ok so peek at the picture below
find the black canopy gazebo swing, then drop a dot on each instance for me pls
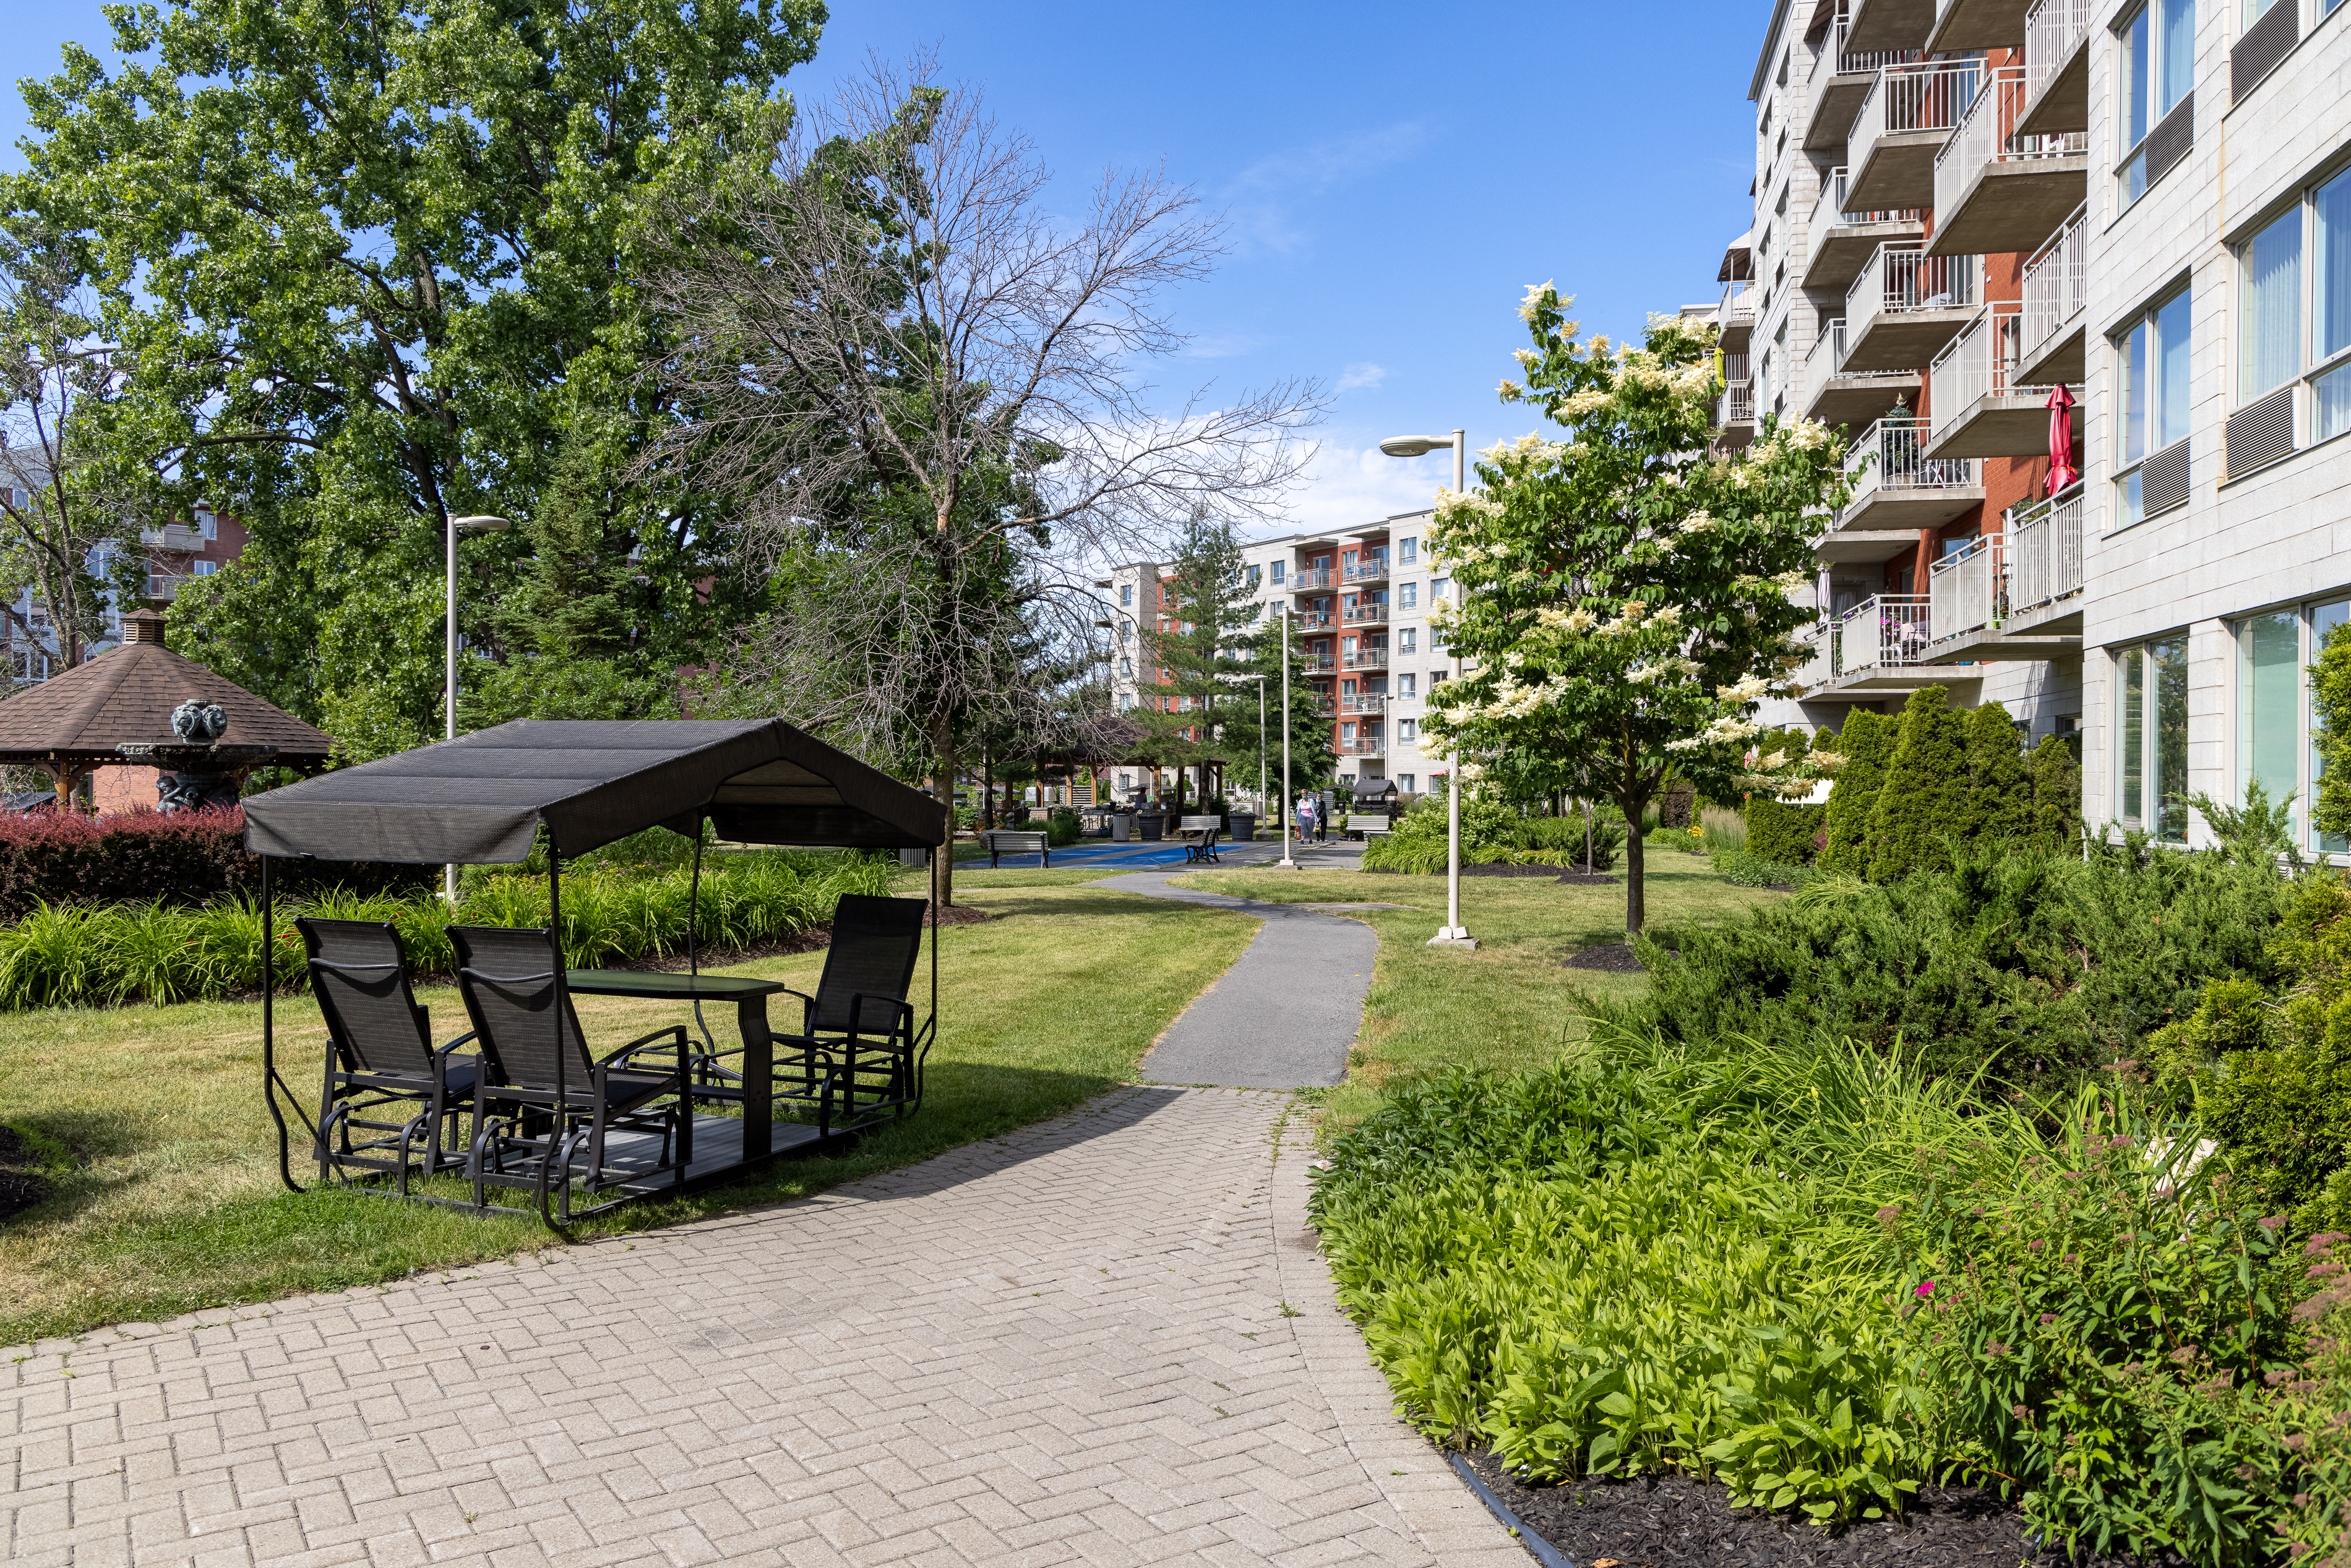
(547, 1117)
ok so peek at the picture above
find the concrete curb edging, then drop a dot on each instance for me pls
(1445, 1516)
(1543, 1551)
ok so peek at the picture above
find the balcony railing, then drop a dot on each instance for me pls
(1370, 568)
(1738, 308)
(1985, 134)
(164, 586)
(173, 536)
(1967, 590)
(1828, 213)
(1737, 404)
(1885, 631)
(1368, 746)
(1814, 671)
(1853, 62)
(2052, 30)
(2057, 281)
(1369, 659)
(1902, 278)
(2044, 550)
(1365, 615)
(1312, 620)
(1890, 456)
(1318, 664)
(1978, 363)
(1366, 702)
(1308, 579)
(1926, 95)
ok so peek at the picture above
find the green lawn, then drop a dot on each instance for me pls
(151, 1122)
(1510, 1005)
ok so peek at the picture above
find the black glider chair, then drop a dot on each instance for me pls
(381, 1060)
(506, 976)
(857, 1058)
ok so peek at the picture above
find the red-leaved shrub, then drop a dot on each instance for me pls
(139, 857)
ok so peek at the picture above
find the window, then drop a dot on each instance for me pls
(1408, 551)
(1126, 593)
(1125, 630)
(1280, 567)
(2155, 407)
(1408, 596)
(206, 567)
(1405, 782)
(2272, 354)
(1407, 685)
(1408, 640)
(1438, 587)
(2330, 305)
(1256, 575)
(1407, 730)
(2159, 71)
(1436, 679)
(2276, 730)
(2151, 754)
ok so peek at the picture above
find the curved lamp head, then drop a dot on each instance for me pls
(480, 525)
(1414, 446)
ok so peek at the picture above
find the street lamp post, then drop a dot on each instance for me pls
(478, 525)
(1288, 860)
(1455, 933)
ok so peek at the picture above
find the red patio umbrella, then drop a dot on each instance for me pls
(2062, 471)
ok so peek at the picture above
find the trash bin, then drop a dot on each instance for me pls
(1240, 827)
(1121, 826)
(1150, 826)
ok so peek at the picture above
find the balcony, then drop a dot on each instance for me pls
(162, 587)
(1898, 489)
(1962, 25)
(1884, 632)
(1735, 316)
(1904, 306)
(1312, 580)
(1370, 568)
(2056, 287)
(1369, 659)
(1890, 23)
(1365, 615)
(1367, 745)
(1366, 702)
(1842, 78)
(2009, 597)
(173, 536)
(1997, 191)
(1910, 112)
(1838, 243)
(1318, 664)
(1734, 411)
(1813, 671)
(1313, 621)
(2057, 68)
(1982, 409)
(1836, 396)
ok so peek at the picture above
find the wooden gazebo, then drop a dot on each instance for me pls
(76, 722)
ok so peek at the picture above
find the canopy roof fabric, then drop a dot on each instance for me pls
(480, 798)
(77, 718)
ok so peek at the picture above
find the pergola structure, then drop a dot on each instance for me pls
(76, 723)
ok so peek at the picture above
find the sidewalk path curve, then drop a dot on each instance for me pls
(1104, 1340)
(1287, 1011)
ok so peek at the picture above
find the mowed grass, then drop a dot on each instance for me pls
(1512, 1004)
(151, 1123)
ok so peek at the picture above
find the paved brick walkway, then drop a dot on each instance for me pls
(1067, 1345)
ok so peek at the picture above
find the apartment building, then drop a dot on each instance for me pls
(174, 553)
(1962, 205)
(1359, 599)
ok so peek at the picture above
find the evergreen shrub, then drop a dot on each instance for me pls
(1866, 743)
(1777, 831)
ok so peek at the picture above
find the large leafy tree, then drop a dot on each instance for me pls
(366, 265)
(1626, 592)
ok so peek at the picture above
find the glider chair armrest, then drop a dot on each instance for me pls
(446, 1050)
(672, 1039)
(903, 1012)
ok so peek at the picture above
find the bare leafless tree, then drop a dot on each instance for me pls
(888, 312)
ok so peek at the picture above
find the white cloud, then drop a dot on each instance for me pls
(1350, 485)
(1364, 375)
(1261, 195)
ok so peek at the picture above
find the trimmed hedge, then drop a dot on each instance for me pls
(1777, 831)
(142, 857)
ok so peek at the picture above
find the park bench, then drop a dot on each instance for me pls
(1011, 841)
(1199, 836)
(1371, 824)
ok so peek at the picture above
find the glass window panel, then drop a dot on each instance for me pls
(2175, 55)
(2273, 307)
(2324, 618)
(2134, 504)
(2132, 808)
(2269, 704)
(2135, 45)
(2168, 661)
(2134, 394)
(2330, 221)
(2255, 10)
(2170, 419)
(2331, 403)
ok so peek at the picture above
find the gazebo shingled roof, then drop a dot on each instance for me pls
(76, 720)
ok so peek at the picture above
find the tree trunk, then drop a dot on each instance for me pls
(987, 790)
(1636, 907)
(943, 864)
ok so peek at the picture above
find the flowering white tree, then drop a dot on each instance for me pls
(1625, 592)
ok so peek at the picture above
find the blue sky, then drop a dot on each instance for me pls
(1394, 175)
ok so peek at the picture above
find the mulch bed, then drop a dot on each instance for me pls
(1617, 958)
(1675, 1521)
(19, 1189)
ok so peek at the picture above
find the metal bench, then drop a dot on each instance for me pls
(1372, 825)
(1199, 836)
(1011, 841)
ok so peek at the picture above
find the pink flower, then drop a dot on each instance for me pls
(1926, 1288)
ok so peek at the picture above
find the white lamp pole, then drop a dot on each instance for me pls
(1287, 860)
(479, 525)
(1455, 933)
